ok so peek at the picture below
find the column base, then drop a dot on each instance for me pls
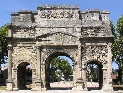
(38, 89)
(9, 84)
(15, 89)
(79, 89)
(107, 87)
(80, 86)
(38, 86)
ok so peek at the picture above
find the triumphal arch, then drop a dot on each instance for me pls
(36, 37)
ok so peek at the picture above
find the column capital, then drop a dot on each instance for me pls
(104, 68)
(110, 44)
(9, 46)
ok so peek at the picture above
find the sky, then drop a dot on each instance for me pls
(115, 7)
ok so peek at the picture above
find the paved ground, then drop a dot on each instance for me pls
(61, 85)
(56, 91)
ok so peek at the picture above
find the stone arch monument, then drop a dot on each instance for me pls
(35, 36)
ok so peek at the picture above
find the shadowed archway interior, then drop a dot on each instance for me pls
(24, 76)
(94, 75)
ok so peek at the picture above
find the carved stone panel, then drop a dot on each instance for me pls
(59, 23)
(95, 53)
(60, 39)
(24, 54)
(43, 31)
(24, 33)
(97, 31)
(57, 14)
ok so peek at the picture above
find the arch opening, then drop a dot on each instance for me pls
(59, 71)
(24, 76)
(94, 74)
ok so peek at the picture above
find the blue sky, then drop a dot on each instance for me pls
(115, 7)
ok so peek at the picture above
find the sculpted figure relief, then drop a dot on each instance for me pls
(95, 52)
(97, 31)
(49, 14)
(24, 54)
(25, 33)
(60, 39)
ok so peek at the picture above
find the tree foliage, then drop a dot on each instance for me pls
(117, 47)
(92, 72)
(59, 67)
(3, 44)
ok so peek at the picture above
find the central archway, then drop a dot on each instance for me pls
(48, 70)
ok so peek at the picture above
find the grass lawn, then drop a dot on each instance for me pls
(2, 87)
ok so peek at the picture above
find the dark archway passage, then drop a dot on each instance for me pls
(54, 75)
(94, 75)
(24, 76)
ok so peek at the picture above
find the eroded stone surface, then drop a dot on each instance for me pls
(37, 36)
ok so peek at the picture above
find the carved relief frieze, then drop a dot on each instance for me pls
(24, 33)
(95, 52)
(59, 23)
(94, 31)
(60, 39)
(24, 54)
(52, 14)
(43, 31)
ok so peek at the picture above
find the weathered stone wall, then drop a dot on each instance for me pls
(83, 35)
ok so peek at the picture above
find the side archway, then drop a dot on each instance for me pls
(94, 75)
(24, 75)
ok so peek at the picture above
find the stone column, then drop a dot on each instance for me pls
(80, 60)
(109, 64)
(108, 71)
(84, 78)
(105, 75)
(81, 72)
(106, 85)
(33, 76)
(15, 80)
(74, 73)
(9, 80)
(38, 80)
(38, 62)
(43, 76)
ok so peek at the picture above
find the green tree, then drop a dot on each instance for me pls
(117, 47)
(59, 67)
(3, 44)
(92, 74)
